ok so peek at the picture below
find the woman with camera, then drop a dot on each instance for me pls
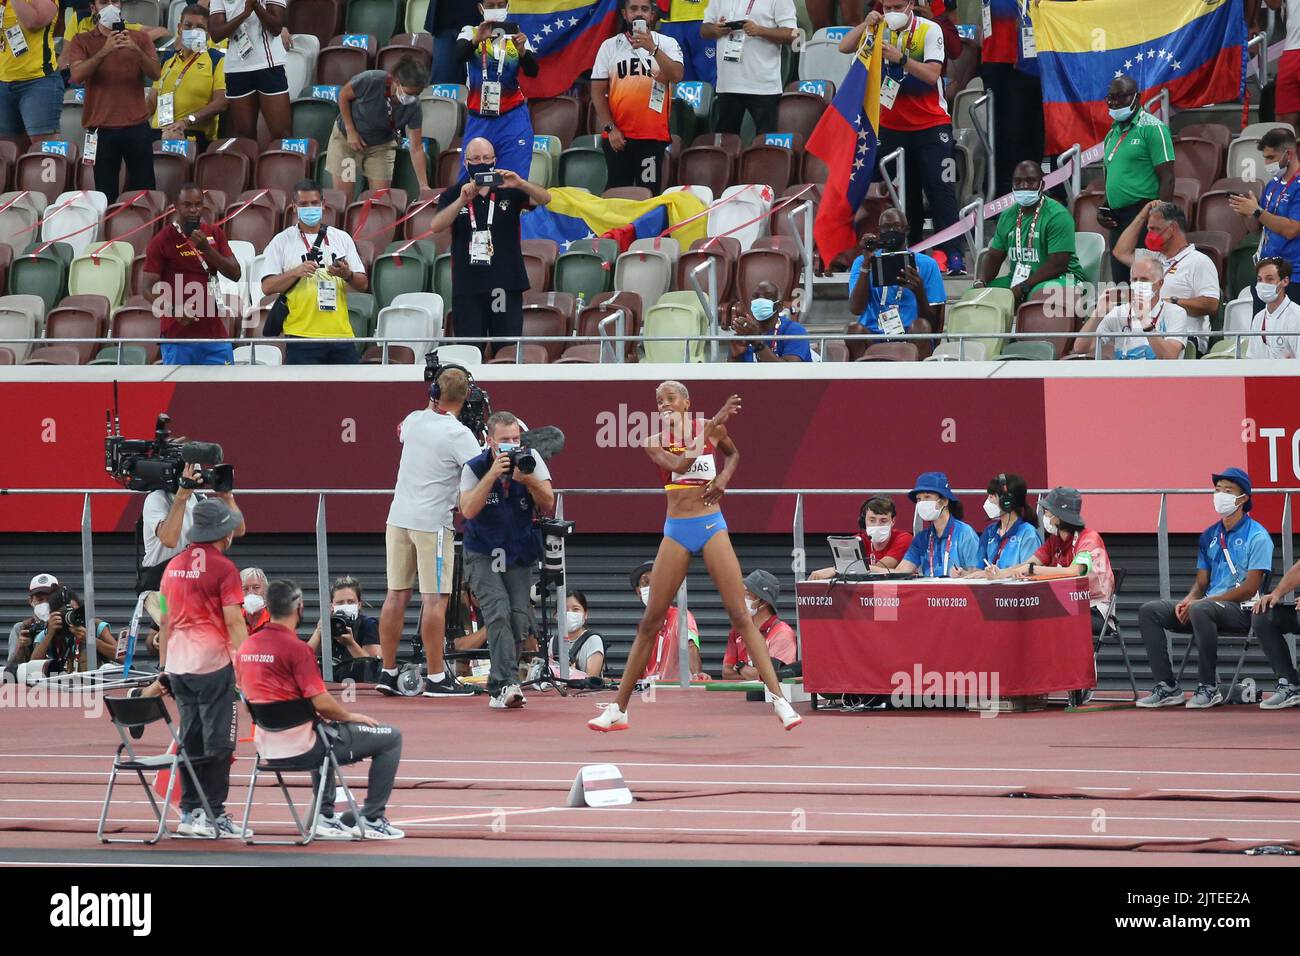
(63, 641)
(495, 51)
(352, 633)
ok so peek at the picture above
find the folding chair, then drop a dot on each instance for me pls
(131, 712)
(1110, 627)
(1243, 636)
(286, 715)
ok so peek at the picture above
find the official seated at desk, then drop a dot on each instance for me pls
(884, 544)
(1071, 550)
(1013, 536)
(946, 546)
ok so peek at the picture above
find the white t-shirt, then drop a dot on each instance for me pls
(435, 447)
(156, 507)
(1283, 338)
(1171, 322)
(1188, 275)
(468, 479)
(1293, 24)
(261, 51)
(759, 68)
(287, 250)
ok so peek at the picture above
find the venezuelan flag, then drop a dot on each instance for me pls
(575, 214)
(565, 35)
(845, 139)
(1196, 49)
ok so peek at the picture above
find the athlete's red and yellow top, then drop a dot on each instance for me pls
(698, 473)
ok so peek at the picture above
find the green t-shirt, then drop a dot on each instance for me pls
(1131, 152)
(1030, 239)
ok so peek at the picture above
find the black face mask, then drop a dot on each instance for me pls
(893, 240)
(190, 225)
(475, 169)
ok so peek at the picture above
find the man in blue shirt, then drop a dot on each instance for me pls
(1278, 208)
(1232, 558)
(763, 320)
(946, 546)
(893, 309)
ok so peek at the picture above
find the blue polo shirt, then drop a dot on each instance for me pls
(957, 547)
(1017, 546)
(893, 296)
(1282, 199)
(783, 347)
(1250, 548)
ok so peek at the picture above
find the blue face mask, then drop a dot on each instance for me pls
(1121, 114)
(1025, 197)
(761, 309)
(506, 447)
(310, 215)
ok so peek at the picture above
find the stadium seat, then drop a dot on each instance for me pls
(539, 273)
(1218, 245)
(1216, 132)
(430, 302)
(7, 356)
(280, 169)
(647, 273)
(313, 118)
(1237, 316)
(43, 274)
(584, 168)
(544, 166)
(6, 260)
(1199, 159)
(770, 265)
(376, 17)
(890, 352)
(709, 166)
(1245, 161)
(74, 218)
(799, 113)
(172, 170)
(703, 193)
(256, 223)
(547, 321)
(406, 325)
(1214, 213)
(1035, 316)
(824, 90)
(268, 353)
(54, 355)
(1090, 248)
(533, 354)
(374, 222)
(557, 116)
(400, 47)
(19, 214)
(21, 317)
(665, 244)
(1231, 184)
(441, 119)
(565, 303)
(47, 173)
(821, 59)
(634, 193)
(98, 275)
(834, 350)
(228, 170)
(773, 165)
(1029, 352)
(70, 322)
(319, 18)
(730, 143)
(982, 310)
(724, 259)
(448, 168)
(674, 320)
(337, 64)
(954, 351)
(120, 355)
(692, 109)
(544, 249)
(607, 305)
(300, 64)
(1190, 188)
(1257, 130)
(583, 273)
(394, 274)
(745, 216)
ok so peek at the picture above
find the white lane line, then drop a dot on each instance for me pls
(495, 813)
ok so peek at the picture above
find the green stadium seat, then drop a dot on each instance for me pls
(43, 274)
(376, 17)
(584, 168)
(1029, 351)
(393, 274)
(678, 321)
(586, 274)
(1090, 247)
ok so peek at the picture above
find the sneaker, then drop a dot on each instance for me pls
(449, 686)
(1163, 695)
(380, 829)
(611, 718)
(227, 830)
(789, 719)
(194, 823)
(332, 828)
(509, 697)
(1287, 694)
(956, 265)
(387, 685)
(1206, 696)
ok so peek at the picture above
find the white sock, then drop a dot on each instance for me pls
(438, 677)
(390, 671)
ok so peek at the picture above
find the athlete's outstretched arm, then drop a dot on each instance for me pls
(714, 490)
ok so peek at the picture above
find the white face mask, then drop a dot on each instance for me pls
(1267, 292)
(494, 16)
(645, 594)
(406, 99)
(1049, 524)
(751, 607)
(991, 508)
(348, 610)
(1142, 291)
(879, 533)
(1272, 169)
(1224, 503)
(253, 603)
(898, 20)
(110, 15)
(196, 40)
(928, 510)
(42, 611)
(574, 620)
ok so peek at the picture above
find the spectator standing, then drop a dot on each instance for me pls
(914, 115)
(1009, 68)
(892, 309)
(884, 544)
(1278, 208)
(762, 590)
(115, 65)
(275, 666)
(181, 265)
(1286, 104)
(255, 78)
(1280, 315)
(497, 109)
(1011, 538)
(202, 626)
(1138, 156)
(80, 17)
(631, 91)
(1232, 557)
(314, 266)
(444, 21)
(254, 583)
(1146, 327)
(762, 321)
(22, 636)
(748, 59)
(374, 107)
(946, 545)
(488, 275)
(699, 52)
(187, 100)
(31, 89)
(664, 663)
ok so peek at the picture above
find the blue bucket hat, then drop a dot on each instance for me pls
(1238, 477)
(932, 481)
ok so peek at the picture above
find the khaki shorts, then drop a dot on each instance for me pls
(374, 162)
(413, 554)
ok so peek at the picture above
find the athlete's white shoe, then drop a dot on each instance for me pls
(611, 718)
(789, 719)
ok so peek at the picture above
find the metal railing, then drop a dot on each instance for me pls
(798, 537)
(987, 139)
(895, 185)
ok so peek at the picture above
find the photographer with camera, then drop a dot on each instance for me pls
(419, 539)
(352, 634)
(501, 492)
(63, 640)
(22, 635)
(168, 513)
(892, 309)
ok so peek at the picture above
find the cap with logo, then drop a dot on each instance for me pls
(43, 582)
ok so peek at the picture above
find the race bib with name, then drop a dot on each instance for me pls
(701, 471)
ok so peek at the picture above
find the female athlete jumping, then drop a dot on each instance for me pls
(685, 456)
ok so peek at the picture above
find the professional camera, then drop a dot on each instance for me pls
(341, 623)
(148, 465)
(477, 408)
(523, 459)
(61, 603)
(554, 531)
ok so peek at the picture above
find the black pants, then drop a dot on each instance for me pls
(1017, 118)
(353, 743)
(1205, 619)
(132, 145)
(1270, 628)
(487, 313)
(927, 158)
(308, 352)
(1123, 216)
(209, 722)
(639, 163)
(732, 107)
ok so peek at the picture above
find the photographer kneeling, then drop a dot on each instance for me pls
(353, 635)
(63, 641)
(500, 492)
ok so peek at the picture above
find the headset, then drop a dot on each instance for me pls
(862, 515)
(435, 392)
(1006, 500)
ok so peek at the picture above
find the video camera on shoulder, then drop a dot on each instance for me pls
(477, 408)
(159, 463)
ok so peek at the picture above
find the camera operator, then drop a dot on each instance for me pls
(168, 516)
(63, 640)
(353, 634)
(22, 635)
(501, 490)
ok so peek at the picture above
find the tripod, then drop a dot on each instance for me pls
(555, 530)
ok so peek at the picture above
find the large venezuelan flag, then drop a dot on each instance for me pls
(1194, 48)
(845, 139)
(575, 214)
(565, 34)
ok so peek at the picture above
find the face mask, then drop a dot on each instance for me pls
(310, 215)
(494, 16)
(751, 607)
(253, 603)
(1224, 503)
(188, 226)
(1155, 241)
(42, 611)
(1142, 291)
(991, 508)
(406, 99)
(477, 169)
(1026, 197)
(928, 510)
(1266, 291)
(195, 40)
(1050, 526)
(110, 15)
(879, 533)
(347, 610)
(1123, 113)
(898, 20)
(893, 241)
(506, 447)
(645, 594)
(574, 620)
(761, 309)
(1272, 169)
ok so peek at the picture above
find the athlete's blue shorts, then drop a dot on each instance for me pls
(511, 136)
(694, 533)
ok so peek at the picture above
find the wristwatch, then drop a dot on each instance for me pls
(609, 127)
(903, 62)
(191, 119)
(1258, 213)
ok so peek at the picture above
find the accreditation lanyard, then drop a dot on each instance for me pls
(946, 551)
(1155, 318)
(194, 59)
(1033, 230)
(907, 46)
(1223, 543)
(1173, 263)
(498, 54)
(492, 208)
(1002, 543)
(325, 238)
(1120, 142)
(1264, 322)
